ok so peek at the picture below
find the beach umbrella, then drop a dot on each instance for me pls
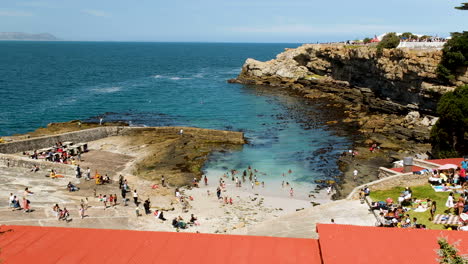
(447, 167)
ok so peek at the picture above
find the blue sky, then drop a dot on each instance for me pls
(296, 21)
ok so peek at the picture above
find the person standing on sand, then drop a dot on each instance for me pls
(78, 171)
(355, 173)
(88, 174)
(163, 181)
(291, 192)
(124, 194)
(205, 179)
(218, 193)
(82, 211)
(104, 201)
(135, 197)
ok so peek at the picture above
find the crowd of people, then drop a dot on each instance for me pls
(60, 152)
(444, 179)
(24, 204)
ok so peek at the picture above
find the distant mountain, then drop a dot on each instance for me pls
(26, 36)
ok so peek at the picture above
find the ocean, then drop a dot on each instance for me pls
(161, 84)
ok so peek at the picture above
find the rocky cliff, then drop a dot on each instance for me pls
(389, 98)
(393, 81)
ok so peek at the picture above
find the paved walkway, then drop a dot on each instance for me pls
(302, 224)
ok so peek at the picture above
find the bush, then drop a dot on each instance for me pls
(449, 134)
(454, 56)
(366, 40)
(408, 35)
(389, 41)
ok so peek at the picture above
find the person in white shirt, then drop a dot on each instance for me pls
(135, 197)
(12, 199)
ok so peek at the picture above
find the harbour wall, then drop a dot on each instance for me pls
(92, 134)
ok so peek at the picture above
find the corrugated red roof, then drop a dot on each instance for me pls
(359, 244)
(413, 169)
(455, 161)
(32, 244)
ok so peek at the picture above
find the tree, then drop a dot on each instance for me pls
(389, 41)
(424, 37)
(454, 56)
(408, 35)
(464, 6)
(449, 254)
(366, 40)
(450, 132)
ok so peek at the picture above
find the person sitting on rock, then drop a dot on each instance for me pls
(35, 168)
(175, 222)
(71, 187)
(105, 179)
(193, 220)
(15, 204)
(64, 214)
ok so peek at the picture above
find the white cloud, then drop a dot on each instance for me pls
(310, 29)
(96, 13)
(14, 13)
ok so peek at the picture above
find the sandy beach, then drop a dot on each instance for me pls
(251, 204)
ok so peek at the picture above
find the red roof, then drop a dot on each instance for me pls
(455, 161)
(413, 169)
(360, 244)
(33, 244)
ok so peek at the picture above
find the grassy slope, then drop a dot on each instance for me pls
(420, 192)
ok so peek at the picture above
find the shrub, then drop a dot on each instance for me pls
(408, 35)
(448, 136)
(389, 41)
(454, 56)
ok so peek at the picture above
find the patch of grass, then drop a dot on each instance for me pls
(354, 46)
(419, 192)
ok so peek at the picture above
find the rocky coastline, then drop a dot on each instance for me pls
(155, 151)
(388, 98)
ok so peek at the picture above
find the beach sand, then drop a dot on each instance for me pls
(114, 156)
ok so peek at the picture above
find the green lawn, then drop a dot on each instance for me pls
(419, 192)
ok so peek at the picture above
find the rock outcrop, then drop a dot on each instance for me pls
(393, 81)
(389, 98)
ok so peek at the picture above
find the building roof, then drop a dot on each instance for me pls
(455, 161)
(413, 169)
(360, 244)
(33, 244)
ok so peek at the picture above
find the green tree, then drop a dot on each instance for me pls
(464, 6)
(449, 134)
(408, 35)
(424, 37)
(389, 41)
(454, 56)
(449, 254)
(366, 40)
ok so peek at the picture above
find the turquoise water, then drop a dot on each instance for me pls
(158, 84)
